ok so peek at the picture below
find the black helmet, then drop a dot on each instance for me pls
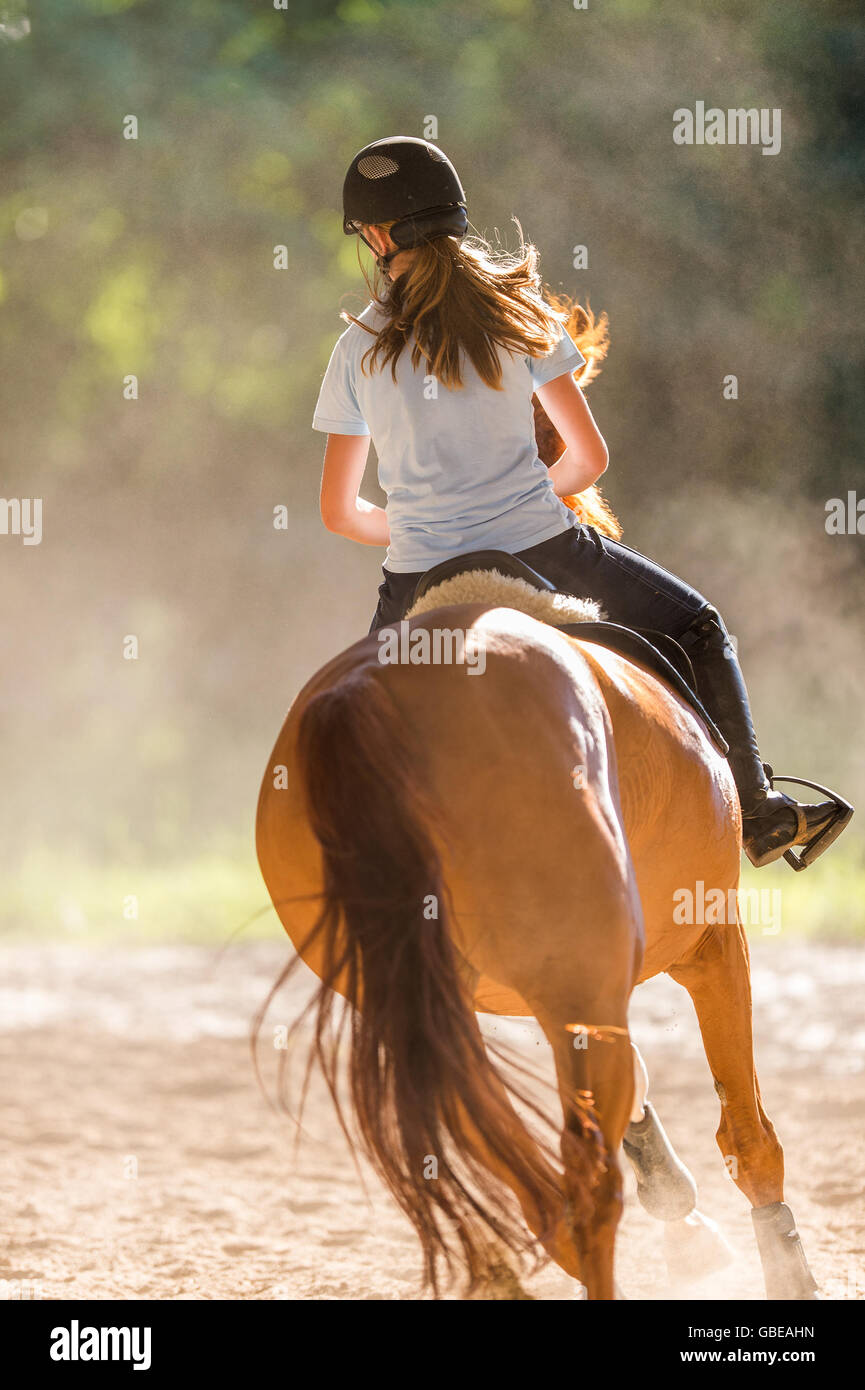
(408, 182)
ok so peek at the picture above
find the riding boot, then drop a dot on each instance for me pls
(771, 821)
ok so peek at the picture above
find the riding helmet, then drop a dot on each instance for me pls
(409, 182)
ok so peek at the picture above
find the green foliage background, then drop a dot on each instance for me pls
(155, 257)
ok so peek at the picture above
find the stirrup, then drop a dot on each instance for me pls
(828, 835)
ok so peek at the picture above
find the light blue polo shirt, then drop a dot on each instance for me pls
(460, 467)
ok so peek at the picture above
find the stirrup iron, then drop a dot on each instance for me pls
(828, 835)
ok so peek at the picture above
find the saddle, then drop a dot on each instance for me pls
(661, 654)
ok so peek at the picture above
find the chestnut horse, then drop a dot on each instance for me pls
(439, 839)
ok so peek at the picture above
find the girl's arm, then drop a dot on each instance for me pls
(585, 456)
(342, 510)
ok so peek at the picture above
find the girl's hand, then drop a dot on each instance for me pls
(342, 510)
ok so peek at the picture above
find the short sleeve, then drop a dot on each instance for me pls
(337, 410)
(564, 358)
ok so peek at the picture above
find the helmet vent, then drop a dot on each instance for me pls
(376, 166)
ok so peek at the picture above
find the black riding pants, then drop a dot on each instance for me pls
(630, 588)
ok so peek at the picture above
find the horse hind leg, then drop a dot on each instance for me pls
(595, 1077)
(582, 1007)
(717, 977)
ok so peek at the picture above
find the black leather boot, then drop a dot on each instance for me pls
(771, 821)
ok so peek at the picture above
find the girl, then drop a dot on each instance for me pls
(457, 455)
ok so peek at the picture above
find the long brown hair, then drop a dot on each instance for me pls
(470, 299)
(462, 300)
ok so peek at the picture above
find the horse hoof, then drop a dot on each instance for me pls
(664, 1186)
(785, 1269)
(499, 1284)
(695, 1247)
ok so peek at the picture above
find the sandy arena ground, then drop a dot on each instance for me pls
(142, 1161)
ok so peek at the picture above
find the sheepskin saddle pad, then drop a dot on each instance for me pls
(501, 591)
(579, 617)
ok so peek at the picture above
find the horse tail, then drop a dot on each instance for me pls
(421, 1086)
